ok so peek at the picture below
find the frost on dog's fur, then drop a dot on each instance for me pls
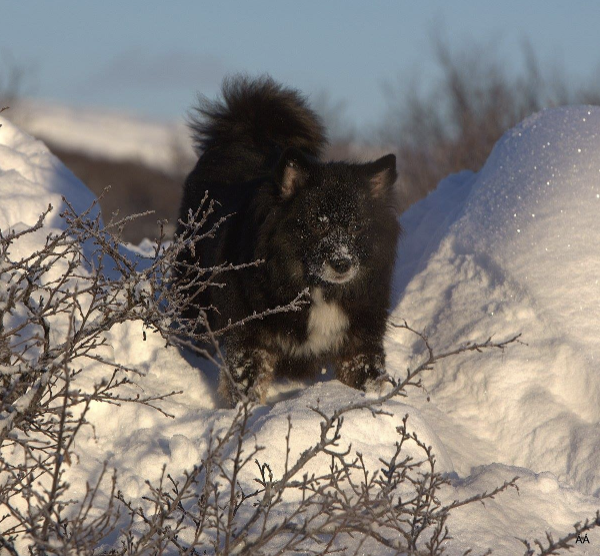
(328, 228)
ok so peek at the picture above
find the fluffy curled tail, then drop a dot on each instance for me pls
(259, 114)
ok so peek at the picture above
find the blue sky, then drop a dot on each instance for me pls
(151, 57)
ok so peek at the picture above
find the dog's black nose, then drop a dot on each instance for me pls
(341, 265)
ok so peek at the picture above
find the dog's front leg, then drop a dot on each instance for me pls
(361, 369)
(247, 374)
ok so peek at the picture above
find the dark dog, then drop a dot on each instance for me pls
(328, 228)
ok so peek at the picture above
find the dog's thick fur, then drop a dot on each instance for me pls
(329, 228)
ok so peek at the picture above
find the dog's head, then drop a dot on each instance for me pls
(337, 217)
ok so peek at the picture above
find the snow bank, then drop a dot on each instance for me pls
(511, 249)
(31, 178)
(514, 249)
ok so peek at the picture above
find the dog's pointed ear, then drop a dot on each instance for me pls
(291, 171)
(381, 175)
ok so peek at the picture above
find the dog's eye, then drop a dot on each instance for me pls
(356, 227)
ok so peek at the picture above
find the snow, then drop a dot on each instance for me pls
(517, 254)
(105, 134)
(511, 249)
(31, 178)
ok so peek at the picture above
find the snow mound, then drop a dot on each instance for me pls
(514, 249)
(31, 178)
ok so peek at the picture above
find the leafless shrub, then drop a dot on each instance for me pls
(454, 126)
(392, 509)
(13, 77)
(340, 135)
(566, 542)
(56, 306)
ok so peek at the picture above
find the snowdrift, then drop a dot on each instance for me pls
(515, 249)
(31, 178)
(511, 249)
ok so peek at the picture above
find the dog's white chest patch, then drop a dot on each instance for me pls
(327, 325)
(325, 331)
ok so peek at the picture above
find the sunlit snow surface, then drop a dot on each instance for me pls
(512, 249)
(519, 252)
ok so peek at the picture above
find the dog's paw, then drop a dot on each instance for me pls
(378, 385)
